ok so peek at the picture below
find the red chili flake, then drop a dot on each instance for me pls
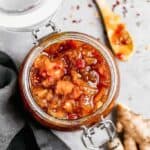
(115, 5)
(76, 21)
(71, 44)
(120, 56)
(96, 53)
(80, 63)
(124, 11)
(137, 14)
(90, 5)
(72, 116)
(78, 7)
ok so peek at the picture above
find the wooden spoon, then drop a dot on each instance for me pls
(119, 38)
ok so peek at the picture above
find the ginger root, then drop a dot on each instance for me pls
(145, 146)
(135, 128)
(129, 142)
(119, 127)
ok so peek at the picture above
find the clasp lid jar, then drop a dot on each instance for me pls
(25, 14)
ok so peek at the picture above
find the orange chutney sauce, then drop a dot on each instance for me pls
(70, 80)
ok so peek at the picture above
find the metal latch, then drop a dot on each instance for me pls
(50, 25)
(90, 135)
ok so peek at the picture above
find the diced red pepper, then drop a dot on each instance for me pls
(80, 63)
(120, 56)
(72, 116)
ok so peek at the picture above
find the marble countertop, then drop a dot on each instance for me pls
(135, 74)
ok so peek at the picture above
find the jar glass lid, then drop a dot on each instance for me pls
(23, 14)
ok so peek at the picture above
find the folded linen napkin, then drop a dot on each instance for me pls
(17, 131)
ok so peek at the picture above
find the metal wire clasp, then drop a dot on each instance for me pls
(105, 128)
(50, 24)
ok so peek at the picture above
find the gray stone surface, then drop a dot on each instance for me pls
(135, 74)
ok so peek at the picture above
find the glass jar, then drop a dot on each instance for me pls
(37, 112)
(32, 16)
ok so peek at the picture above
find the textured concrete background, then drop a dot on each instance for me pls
(135, 74)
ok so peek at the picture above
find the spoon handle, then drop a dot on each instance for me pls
(104, 8)
(100, 3)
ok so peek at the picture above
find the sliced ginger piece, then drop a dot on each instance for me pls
(119, 127)
(144, 146)
(119, 38)
(129, 142)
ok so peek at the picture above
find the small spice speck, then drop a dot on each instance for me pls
(76, 21)
(124, 11)
(138, 14)
(90, 5)
(115, 5)
(78, 7)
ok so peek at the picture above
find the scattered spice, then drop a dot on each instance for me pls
(137, 14)
(117, 3)
(125, 11)
(90, 5)
(123, 3)
(76, 21)
(78, 7)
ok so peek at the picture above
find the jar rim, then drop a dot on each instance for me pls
(54, 38)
